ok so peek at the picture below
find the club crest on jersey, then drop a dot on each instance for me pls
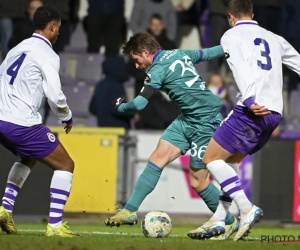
(148, 78)
(226, 54)
(51, 137)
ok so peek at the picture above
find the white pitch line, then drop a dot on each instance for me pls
(119, 233)
(31, 231)
(94, 232)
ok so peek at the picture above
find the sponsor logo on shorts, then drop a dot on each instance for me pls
(51, 137)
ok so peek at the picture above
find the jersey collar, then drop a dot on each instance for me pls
(36, 35)
(156, 54)
(246, 22)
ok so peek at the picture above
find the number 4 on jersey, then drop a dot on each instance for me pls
(14, 68)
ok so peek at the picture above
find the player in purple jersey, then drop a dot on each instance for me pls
(255, 57)
(29, 72)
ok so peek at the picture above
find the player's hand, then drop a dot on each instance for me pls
(259, 110)
(119, 101)
(69, 125)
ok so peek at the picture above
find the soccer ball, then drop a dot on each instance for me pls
(156, 224)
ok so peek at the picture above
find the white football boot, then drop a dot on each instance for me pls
(208, 230)
(248, 221)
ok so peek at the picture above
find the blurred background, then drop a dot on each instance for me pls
(110, 149)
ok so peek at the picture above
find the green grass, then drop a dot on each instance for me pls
(95, 236)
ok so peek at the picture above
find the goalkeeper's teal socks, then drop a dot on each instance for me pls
(210, 195)
(143, 186)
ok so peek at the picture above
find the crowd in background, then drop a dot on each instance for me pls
(171, 21)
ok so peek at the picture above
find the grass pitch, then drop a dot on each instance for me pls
(97, 236)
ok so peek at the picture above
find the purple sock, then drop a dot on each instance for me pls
(10, 195)
(59, 193)
(16, 178)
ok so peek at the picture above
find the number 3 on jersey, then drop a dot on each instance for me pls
(14, 68)
(265, 53)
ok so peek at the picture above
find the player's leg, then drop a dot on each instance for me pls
(145, 184)
(232, 141)
(38, 142)
(229, 181)
(210, 194)
(225, 173)
(165, 153)
(222, 211)
(61, 183)
(226, 176)
(200, 136)
(162, 156)
(264, 127)
(201, 184)
(225, 200)
(16, 178)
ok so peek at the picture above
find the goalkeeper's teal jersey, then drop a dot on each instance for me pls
(173, 72)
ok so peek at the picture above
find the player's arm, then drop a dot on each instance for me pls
(290, 57)
(242, 73)
(138, 103)
(152, 83)
(205, 54)
(52, 88)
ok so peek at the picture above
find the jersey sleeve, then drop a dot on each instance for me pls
(242, 72)
(155, 78)
(205, 54)
(290, 57)
(135, 105)
(52, 88)
(195, 55)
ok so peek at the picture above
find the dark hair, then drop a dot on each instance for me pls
(240, 8)
(156, 16)
(140, 41)
(43, 16)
